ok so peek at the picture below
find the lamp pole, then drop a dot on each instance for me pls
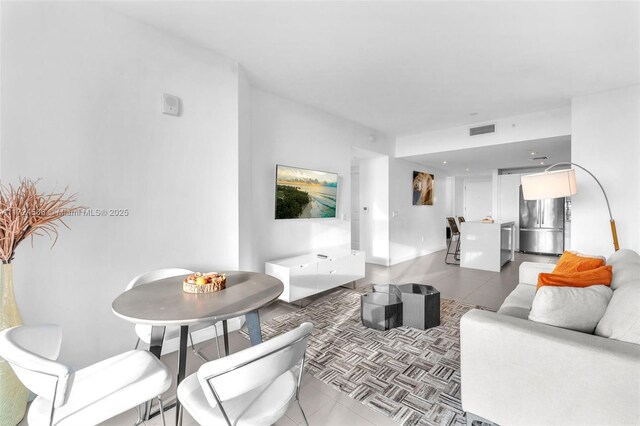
(614, 233)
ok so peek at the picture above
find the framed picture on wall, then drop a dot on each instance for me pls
(422, 189)
(303, 193)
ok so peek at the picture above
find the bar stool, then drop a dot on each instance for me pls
(455, 234)
(461, 219)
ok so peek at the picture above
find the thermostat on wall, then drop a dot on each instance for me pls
(170, 105)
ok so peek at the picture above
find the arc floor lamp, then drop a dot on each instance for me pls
(561, 183)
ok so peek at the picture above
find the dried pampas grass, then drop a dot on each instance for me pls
(25, 212)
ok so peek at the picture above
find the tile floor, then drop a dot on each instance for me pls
(323, 404)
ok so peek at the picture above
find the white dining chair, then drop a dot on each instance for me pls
(84, 397)
(252, 387)
(171, 334)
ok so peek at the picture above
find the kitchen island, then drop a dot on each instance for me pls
(487, 246)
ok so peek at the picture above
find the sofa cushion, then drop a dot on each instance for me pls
(621, 321)
(514, 311)
(529, 271)
(623, 255)
(574, 308)
(624, 273)
(518, 303)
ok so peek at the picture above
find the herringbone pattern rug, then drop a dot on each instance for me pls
(412, 376)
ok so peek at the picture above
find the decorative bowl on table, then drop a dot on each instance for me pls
(204, 283)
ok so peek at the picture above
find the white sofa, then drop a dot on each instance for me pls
(518, 372)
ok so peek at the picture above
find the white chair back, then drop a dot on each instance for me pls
(31, 351)
(256, 366)
(143, 331)
(157, 274)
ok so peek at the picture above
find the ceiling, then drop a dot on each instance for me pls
(403, 67)
(480, 161)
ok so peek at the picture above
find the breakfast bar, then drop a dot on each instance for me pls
(487, 246)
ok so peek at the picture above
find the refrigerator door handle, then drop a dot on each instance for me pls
(542, 215)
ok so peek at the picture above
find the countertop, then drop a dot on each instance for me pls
(491, 223)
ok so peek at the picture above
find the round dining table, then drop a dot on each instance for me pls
(162, 303)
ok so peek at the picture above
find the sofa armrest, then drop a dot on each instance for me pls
(529, 271)
(516, 371)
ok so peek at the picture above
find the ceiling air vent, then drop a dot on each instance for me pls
(491, 128)
(544, 157)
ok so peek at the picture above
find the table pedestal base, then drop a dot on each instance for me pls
(253, 325)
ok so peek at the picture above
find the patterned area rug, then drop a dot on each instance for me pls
(409, 375)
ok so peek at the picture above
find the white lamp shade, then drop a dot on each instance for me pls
(556, 184)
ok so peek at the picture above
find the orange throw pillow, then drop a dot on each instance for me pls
(601, 275)
(570, 262)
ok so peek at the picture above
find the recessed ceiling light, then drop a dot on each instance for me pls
(532, 153)
(542, 162)
(444, 162)
(466, 170)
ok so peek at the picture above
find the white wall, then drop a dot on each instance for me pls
(459, 196)
(245, 165)
(495, 194)
(81, 92)
(510, 129)
(285, 132)
(415, 230)
(374, 222)
(606, 140)
(355, 204)
(450, 194)
(478, 197)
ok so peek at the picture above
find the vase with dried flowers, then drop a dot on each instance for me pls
(24, 213)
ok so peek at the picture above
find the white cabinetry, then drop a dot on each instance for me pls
(309, 274)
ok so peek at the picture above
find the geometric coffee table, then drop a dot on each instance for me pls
(381, 310)
(421, 305)
(410, 305)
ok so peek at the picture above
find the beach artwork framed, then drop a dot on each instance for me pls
(305, 194)
(423, 189)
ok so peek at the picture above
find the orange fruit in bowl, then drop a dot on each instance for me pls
(201, 280)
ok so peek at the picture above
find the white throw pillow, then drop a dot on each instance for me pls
(575, 308)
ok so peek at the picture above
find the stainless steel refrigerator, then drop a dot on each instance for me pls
(542, 225)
